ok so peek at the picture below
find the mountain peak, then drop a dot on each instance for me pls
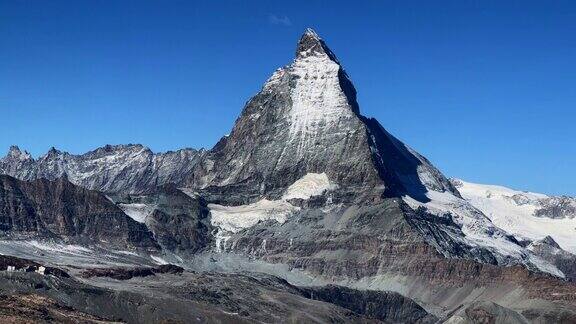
(52, 153)
(548, 240)
(310, 44)
(15, 152)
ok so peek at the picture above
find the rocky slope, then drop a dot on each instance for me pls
(117, 295)
(486, 312)
(60, 210)
(384, 306)
(180, 223)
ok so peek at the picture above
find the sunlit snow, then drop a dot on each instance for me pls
(232, 219)
(513, 211)
(137, 212)
(478, 229)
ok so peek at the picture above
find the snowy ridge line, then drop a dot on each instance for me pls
(526, 215)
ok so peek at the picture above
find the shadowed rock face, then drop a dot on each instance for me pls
(385, 306)
(34, 308)
(59, 209)
(129, 273)
(180, 223)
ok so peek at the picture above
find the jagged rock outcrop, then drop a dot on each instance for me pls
(61, 210)
(557, 207)
(550, 251)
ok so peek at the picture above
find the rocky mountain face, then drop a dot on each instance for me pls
(59, 209)
(550, 251)
(557, 207)
(305, 126)
(180, 223)
(112, 168)
(306, 120)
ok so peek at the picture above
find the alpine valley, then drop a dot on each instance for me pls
(307, 211)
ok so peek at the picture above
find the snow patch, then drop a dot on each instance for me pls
(221, 237)
(127, 253)
(158, 260)
(312, 184)
(232, 219)
(137, 212)
(60, 248)
(235, 218)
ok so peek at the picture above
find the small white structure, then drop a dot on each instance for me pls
(41, 270)
(11, 268)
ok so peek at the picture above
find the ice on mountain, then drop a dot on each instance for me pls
(137, 212)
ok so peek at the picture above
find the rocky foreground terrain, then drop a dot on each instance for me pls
(307, 212)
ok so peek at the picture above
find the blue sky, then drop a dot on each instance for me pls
(485, 89)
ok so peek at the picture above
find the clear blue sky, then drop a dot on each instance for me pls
(485, 89)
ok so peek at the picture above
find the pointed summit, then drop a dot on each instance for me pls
(306, 120)
(14, 150)
(311, 44)
(548, 240)
(52, 152)
(16, 153)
